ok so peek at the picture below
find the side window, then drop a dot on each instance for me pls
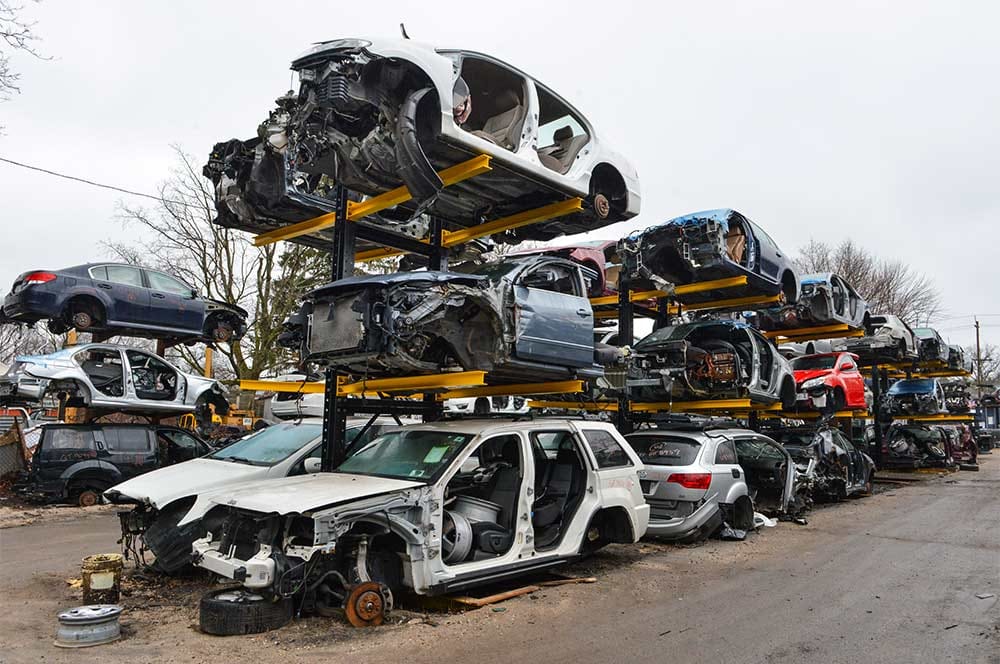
(167, 284)
(153, 378)
(67, 443)
(549, 441)
(561, 133)
(554, 278)
(725, 453)
(124, 274)
(607, 451)
(127, 439)
(184, 441)
(99, 272)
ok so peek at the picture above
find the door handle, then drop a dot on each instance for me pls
(736, 473)
(105, 286)
(583, 312)
(159, 295)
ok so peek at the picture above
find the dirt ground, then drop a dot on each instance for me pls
(892, 577)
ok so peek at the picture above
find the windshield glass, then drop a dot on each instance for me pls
(797, 438)
(678, 332)
(665, 450)
(407, 454)
(813, 362)
(271, 445)
(914, 386)
(494, 271)
(921, 434)
(924, 332)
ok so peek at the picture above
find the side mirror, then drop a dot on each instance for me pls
(312, 465)
(194, 293)
(846, 366)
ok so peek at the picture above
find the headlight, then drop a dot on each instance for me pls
(813, 383)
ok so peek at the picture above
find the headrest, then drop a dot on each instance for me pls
(507, 100)
(566, 455)
(563, 134)
(511, 452)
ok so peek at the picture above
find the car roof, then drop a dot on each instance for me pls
(485, 426)
(692, 432)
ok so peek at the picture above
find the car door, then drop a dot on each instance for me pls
(854, 382)
(177, 446)
(777, 449)
(616, 474)
(125, 286)
(554, 320)
(172, 303)
(132, 450)
(153, 379)
(857, 470)
(59, 448)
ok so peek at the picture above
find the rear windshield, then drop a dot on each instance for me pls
(813, 362)
(914, 386)
(271, 445)
(665, 450)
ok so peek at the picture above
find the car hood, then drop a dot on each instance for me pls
(355, 283)
(162, 487)
(297, 495)
(805, 374)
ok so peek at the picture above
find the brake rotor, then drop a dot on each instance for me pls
(366, 605)
(602, 206)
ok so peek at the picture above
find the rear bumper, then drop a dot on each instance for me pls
(29, 305)
(679, 528)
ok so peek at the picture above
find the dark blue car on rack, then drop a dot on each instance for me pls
(112, 299)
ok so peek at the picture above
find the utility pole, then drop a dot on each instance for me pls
(979, 364)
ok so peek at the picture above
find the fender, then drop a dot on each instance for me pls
(614, 501)
(91, 464)
(736, 490)
(98, 294)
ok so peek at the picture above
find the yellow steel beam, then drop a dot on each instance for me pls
(814, 337)
(558, 387)
(683, 406)
(415, 383)
(809, 415)
(735, 302)
(449, 176)
(937, 418)
(685, 289)
(461, 236)
(576, 405)
(312, 387)
(702, 286)
(820, 329)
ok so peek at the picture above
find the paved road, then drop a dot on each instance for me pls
(891, 578)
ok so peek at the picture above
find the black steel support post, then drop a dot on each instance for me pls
(662, 314)
(626, 315)
(877, 415)
(334, 407)
(437, 261)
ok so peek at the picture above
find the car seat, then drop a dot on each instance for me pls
(504, 129)
(563, 483)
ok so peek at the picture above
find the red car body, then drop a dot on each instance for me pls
(840, 376)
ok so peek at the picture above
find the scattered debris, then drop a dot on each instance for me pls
(759, 520)
(86, 626)
(952, 626)
(984, 595)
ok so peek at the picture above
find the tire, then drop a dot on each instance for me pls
(231, 611)
(788, 396)
(481, 406)
(169, 543)
(839, 399)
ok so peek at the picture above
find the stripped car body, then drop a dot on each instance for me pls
(703, 246)
(915, 396)
(836, 467)
(710, 359)
(829, 380)
(956, 358)
(378, 114)
(824, 299)
(112, 377)
(432, 508)
(932, 347)
(525, 318)
(164, 498)
(917, 445)
(694, 482)
(888, 338)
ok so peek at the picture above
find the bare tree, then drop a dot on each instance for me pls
(990, 355)
(222, 263)
(27, 340)
(889, 285)
(17, 35)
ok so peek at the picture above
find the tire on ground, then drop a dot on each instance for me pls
(227, 617)
(169, 543)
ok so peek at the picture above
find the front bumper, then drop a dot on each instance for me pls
(256, 572)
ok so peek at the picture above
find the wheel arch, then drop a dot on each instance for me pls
(790, 286)
(607, 179)
(92, 301)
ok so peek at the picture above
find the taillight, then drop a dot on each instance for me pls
(691, 480)
(39, 278)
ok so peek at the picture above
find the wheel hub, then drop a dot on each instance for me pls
(602, 206)
(366, 605)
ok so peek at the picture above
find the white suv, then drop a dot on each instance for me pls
(434, 508)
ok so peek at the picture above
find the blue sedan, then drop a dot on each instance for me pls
(113, 299)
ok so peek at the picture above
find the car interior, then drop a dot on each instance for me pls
(765, 467)
(719, 358)
(481, 502)
(498, 102)
(736, 241)
(153, 378)
(560, 482)
(561, 134)
(104, 369)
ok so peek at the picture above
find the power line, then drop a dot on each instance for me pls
(159, 199)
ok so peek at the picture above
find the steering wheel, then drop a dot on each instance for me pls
(484, 474)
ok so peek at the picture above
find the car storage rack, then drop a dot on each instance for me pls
(410, 395)
(814, 333)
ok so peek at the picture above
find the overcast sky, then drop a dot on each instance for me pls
(878, 121)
